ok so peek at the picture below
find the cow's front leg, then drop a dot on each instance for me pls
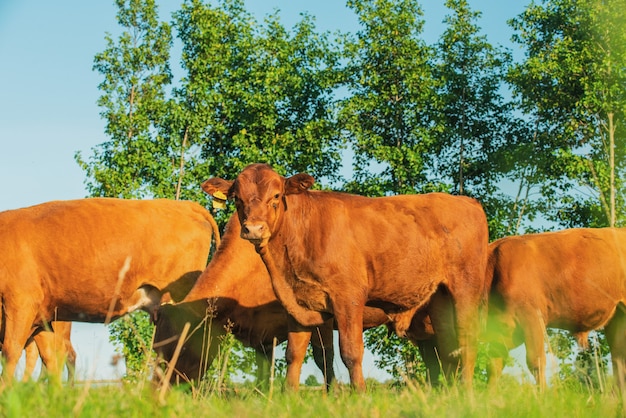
(349, 317)
(18, 326)
(297, 343)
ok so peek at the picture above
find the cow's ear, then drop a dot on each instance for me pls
(217, 186)
(298, 183)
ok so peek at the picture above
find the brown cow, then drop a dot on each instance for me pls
(52, 345)
(573, 280)
(235, 292)
(333, 253)
(92, 260)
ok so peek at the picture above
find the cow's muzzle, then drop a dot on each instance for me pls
(255, 232)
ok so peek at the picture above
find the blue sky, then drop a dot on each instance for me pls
(48, 95)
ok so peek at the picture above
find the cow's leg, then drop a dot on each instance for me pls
(51, 347)
(70, 361)
(31, 356)
(534, 330)
(442, 315)
(494, 370)
(467, 299)
(503, 335)
(323, 351)
(297, 343)
(615, 331)
(349, 317)
(263, 365)
(428, 351)
(18, 326)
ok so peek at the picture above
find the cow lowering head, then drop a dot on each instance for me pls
(259, 194)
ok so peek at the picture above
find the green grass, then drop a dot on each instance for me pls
(510, 399)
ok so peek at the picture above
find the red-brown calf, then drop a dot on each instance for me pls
(333, 253)
(235, 292)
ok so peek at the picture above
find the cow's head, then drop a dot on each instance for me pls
(260, 197)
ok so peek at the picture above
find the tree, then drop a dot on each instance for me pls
(311, 380)
(571, 84)
(136, 72)
(132, 336)
(386, 115)
(256, 93)
(477, 123)
(396, 356)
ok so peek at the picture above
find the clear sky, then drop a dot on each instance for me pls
(48, 109)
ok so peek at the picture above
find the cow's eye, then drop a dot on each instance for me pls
(277, 195)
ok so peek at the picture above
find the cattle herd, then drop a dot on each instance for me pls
(293, 265)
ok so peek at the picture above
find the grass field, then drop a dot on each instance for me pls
(510, 399)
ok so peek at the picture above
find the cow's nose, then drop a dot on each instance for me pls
(253, 230)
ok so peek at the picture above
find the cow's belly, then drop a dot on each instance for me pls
(404, 285)
(588, 319)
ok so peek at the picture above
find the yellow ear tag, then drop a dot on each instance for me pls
(219, 200)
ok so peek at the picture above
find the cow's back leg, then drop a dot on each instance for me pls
(442, 315)
(323, 351)
(63, 330)
(494, 370)
(70, 361)
(502, 334)
(615, 331)
(534, 331)
(52, 349)
(430, 355)
(263, 365)
(31, 355)
(467, 303)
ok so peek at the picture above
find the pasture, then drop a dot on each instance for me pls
(509, 399)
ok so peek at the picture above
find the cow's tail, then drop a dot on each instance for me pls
(490, 280)
(216, 229)
(490, 270)
(487, 283)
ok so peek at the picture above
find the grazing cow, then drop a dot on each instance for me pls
(332, 253)
(572, 279)
(93, 260)
(51, 346)
(235, 292)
